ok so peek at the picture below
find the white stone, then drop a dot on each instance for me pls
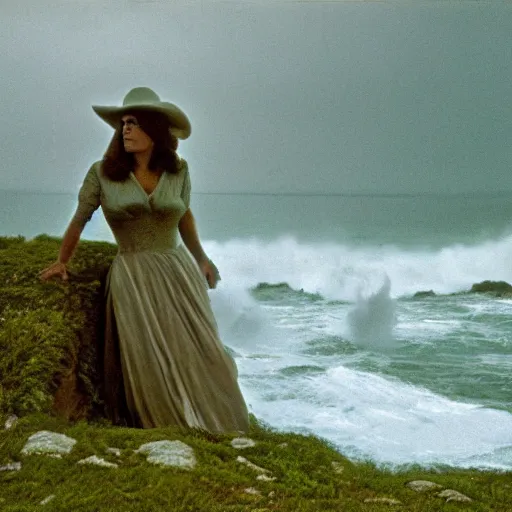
(169, 453)
(252, 490)
(422, 485)
(452, 495)
(97, 461)
(11, 421)
(249, 464)
(47, 499)
(265, 478)
(114, 451)
(283, 445)
(338, 468)
(242, 442)
(12, 466)
(48, 443)
(384, 501)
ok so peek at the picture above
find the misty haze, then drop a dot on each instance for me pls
(351, 171)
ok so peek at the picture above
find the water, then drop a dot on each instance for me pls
(317, 302)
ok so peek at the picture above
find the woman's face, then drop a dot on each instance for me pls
(134, 138)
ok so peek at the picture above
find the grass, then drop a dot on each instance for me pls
(305, 478)
(48, 376)
(48, 331)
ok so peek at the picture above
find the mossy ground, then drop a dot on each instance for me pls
(306, 480)
(47, 331)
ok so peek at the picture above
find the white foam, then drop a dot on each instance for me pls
(386, 420)
(372, 319)
(242, 322)
(365, 415)
(342, 272)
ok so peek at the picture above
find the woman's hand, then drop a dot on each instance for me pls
(56, 269)
(210, 272)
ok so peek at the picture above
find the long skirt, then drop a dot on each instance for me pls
(164, 363)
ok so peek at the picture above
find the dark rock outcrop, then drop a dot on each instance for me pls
(496, 288)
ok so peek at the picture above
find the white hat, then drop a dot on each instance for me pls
(143, 98)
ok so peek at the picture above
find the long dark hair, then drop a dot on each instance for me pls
(118, 163)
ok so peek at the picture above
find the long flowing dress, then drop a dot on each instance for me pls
(164, 363)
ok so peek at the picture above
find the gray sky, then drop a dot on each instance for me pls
(283, 96)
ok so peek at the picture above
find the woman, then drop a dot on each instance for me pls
(164, 362)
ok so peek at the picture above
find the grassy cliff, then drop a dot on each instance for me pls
(48, 338)
(49, 378)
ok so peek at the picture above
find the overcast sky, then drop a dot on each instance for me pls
(283, 96)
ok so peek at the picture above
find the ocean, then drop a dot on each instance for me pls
(317, 304)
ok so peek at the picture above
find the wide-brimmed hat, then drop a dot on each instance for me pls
(143, 98)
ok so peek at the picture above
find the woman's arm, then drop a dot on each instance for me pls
(69, 242)
(67, 248)
(190, 237)
(88, 203)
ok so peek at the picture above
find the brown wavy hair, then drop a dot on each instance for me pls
(118, 163)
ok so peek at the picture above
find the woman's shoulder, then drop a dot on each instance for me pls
(95, 168)
(182, 164)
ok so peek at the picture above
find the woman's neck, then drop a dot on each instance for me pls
(142, 160)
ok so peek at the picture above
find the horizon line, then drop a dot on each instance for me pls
(299, 194)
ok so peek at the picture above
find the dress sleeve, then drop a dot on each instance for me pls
(88, 197)
(186, 187)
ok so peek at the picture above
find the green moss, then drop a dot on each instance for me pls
(305, 479)
(34, 345)
(48, 331)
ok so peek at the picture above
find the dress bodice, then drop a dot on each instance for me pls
(139, 221)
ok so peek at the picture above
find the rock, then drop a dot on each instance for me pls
(47, 499)
(498, 288)
(97, 461)
(452, 495)
(12, 466)
(11, 421)
(385, 501)
(249, 464)
(265, 478)
(252, 490)
(422, 485)
(283, 445)
(338, 468)
(169, 453)
(424, 293)
(114, 451)
(48, 443)
(242, 442)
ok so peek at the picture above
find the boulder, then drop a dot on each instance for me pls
(451, 495)
(97, 461)
(422, 485)
(12, 466)
(424, 293)
(169, 453)
(242, 442)
(48, 443)
(496, 288)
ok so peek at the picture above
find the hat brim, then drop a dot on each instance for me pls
(179, 123)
